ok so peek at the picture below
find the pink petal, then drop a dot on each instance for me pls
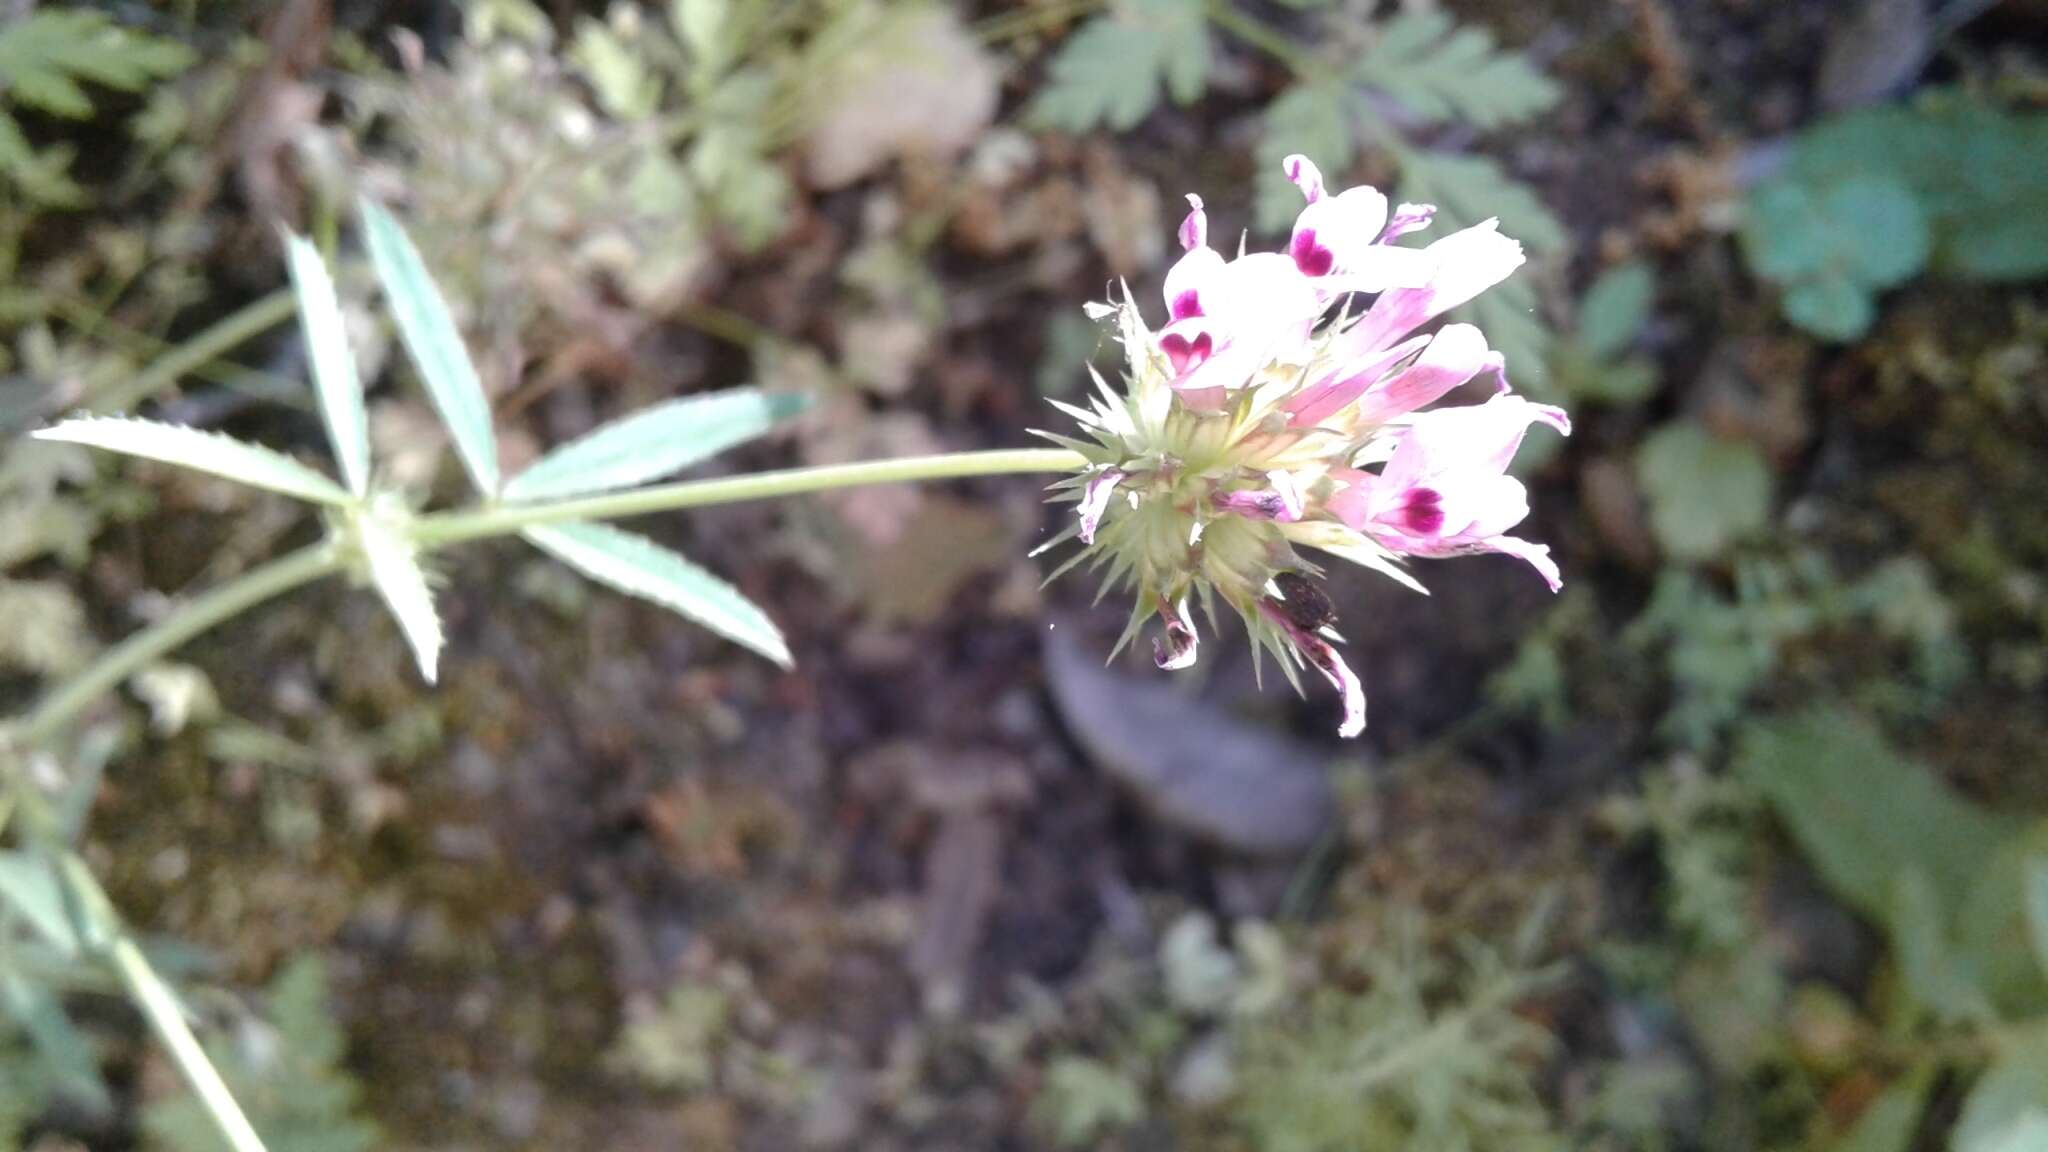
(1537, 556)
(1467, 263)
(1353, 503)
(1319, 401)
(1332, 233)
(1481, 438)
(1192, 281)
(1281, 502)
(1480, 505)
(1095, 500)
(1177, 649)
(1455, 354)
(1380, 267)
(1408, 218)
(1194, 230)
(1266, 288)
(1323, 656)
(1336, 243)
(1305, 175)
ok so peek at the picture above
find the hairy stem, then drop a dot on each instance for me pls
(154, 998)
(101, 934)
(504, 519)
(72, 697)
(69, 699)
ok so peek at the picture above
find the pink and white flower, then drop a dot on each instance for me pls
(1276, 411)
(1445, 491)
(1226, 319)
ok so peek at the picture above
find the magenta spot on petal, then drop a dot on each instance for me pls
(1310, 257)
(1188, 303)
(1423, 512)
(1184, 354)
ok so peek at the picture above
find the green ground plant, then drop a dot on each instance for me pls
(557, 504)
(1949, 183)
(48, 60)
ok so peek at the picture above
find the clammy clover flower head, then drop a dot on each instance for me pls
(1282, 412)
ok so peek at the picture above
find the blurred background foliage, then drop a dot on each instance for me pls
(1736, 845)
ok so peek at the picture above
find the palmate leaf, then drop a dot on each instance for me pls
(1705, 493)
(640, 567)
(1440, 71)
(1469, 188)
(395, 571)
(47, 57)
(208, 452)
(1466, 190)
(1110, 73)
(39, 175)
(334, 366)
(428, 330)
(1979, 171)
(652, 443)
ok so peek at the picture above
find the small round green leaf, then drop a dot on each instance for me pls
(1831, 307)
(1705, 493)
(1878, 230)
(1783, 234)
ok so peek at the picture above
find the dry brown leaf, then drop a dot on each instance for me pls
(921, 85)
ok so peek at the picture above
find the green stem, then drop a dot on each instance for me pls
(1261, 36)
(203, 348)
(154, 998)
(101, 932)
(307, 564)
(996, 29)
(125, 659)
(505, 519)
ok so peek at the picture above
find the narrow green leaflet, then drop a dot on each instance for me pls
(66, 1055)
(334, 366)
(209, 452)
(1863, 813)
(2037, 909)
(1889, 1122)
(430, 335)
(30, 887)
(2009, 1102)
(1935, 972)
(395, 570)
(1111, 71)
(652, 443)
(1440, 71)
(1616, 307)
(639, 567)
